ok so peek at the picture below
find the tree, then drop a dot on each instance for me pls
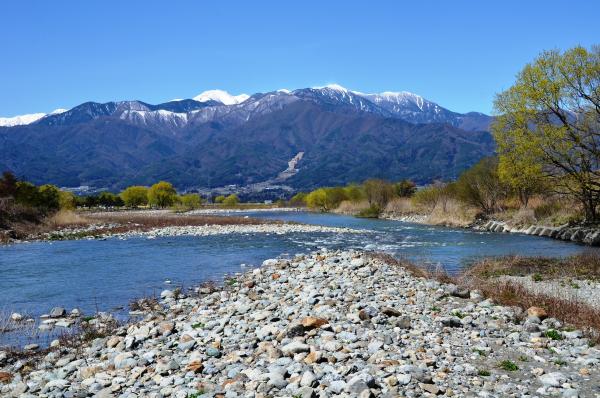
(8, 185)
(231, 200)
(162, 194)
(317, 199)
(67, 200)
(429, 197)
(219, 199)
(109, 199)
(524, 179)
(480, 186)
(354, 192)
(190, 200)
(135, 196)
(550, 120)
(298, 199)
(405, 188)
(378, 192)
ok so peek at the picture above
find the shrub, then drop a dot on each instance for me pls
(372, 211)
(481, 187)
(508, 366)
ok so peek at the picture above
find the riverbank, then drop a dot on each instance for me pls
(326, 324)
(573, 233)
(154, 223)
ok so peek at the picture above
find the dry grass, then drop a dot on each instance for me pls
(581, 266)
(452, 214)
(400, 206)
(568, 310)
(351, 208)
(413, 269)
(67, 218)
(485, 276)
(482, 276)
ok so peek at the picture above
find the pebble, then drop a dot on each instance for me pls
(332, 323)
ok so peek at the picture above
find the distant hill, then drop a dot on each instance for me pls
(218, 139)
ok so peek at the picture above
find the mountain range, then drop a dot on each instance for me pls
(217, 139)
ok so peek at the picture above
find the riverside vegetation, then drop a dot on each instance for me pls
(548, 166)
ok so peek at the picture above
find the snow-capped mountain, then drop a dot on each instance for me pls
(219, 139)
(221, 96)
(220, 106)
(26, 119)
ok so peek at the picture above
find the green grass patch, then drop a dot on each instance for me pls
(553, 334)
(509, 366)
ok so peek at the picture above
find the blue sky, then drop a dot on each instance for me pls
(57, 54)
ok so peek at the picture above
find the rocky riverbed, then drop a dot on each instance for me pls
(329, 324)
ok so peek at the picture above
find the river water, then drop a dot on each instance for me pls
(104, 275)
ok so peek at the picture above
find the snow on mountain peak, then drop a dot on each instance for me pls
(221, 96)
(20, 120)
(333, 86)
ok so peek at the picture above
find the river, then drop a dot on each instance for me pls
(104, 275)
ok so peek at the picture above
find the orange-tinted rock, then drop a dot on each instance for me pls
(311, 322)
(537, 312)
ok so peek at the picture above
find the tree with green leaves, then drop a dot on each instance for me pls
(190, 201)
(354, 192)
(162, 194)
(405, 188)
(135, 196)
(219, 199)
(231, 200)
(298, 199)
(548, 124)
(109, 199)
(67, 200)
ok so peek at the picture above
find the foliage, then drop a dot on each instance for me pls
(378, 192)
(66, 200)
(190, 201)
(372, 211)
(508, 366)
(405, 188)
(481, 187)
(325, 198)
(109, 199)
(298, 199)
(219, 199)
(549, 122)
(354, 192)
(162, 194)
(135, 196)
(231, 200)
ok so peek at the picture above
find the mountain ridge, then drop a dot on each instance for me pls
(344, 135)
